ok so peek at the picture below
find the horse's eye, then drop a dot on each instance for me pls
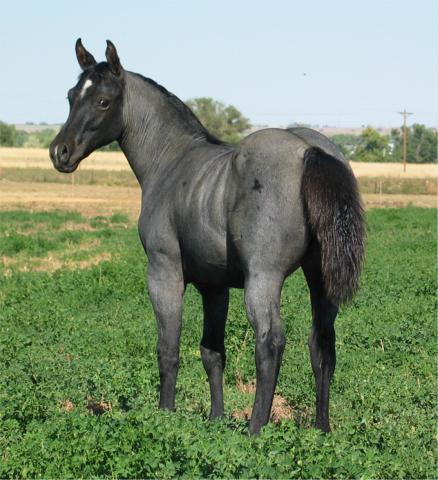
(103, 103)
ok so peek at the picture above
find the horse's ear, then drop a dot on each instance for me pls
(84, 57)
(112, 58)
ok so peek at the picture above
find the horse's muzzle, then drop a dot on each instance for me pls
(61, 157)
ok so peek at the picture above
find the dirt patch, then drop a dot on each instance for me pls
(98, 407)
(66, 406)
(50, 263)
(95, 200)
(94, 406)
(72, 227)
(89, 200)
(67, 226)
(280, 408)
(249, 387)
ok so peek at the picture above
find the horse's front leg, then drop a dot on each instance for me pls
(215, 303)
(166, 290)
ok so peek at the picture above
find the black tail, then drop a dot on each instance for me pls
(336, 218)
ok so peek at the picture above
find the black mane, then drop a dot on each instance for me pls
(186, 113)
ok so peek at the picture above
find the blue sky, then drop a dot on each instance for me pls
(337, 62)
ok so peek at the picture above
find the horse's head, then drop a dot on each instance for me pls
(95, 117)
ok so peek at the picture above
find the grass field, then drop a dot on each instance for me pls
(39, 158)
(79, 381)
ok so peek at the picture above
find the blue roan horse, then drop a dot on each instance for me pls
(221, 216)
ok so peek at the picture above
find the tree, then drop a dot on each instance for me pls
(299, 124)
(422, 144)
(346, 143)
(21, 138)
(396, 142)
(372, 147)
(45, 137)
(7, 135)
(223, 121)
(111, 147)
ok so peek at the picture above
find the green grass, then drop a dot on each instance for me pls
(38, 239)
(88, 335)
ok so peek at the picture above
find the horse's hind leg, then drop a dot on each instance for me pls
(322, 337)
(215, 302)
(262, 299)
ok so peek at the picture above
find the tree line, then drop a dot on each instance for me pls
(11, 137)
(371, 146)
(227, 123)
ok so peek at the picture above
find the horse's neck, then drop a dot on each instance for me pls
(154, 134)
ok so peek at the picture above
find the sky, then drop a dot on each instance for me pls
(343, 63)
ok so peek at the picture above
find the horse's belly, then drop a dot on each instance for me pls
(207, 275)
(209, 263)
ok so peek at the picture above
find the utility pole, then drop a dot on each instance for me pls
(405, 137)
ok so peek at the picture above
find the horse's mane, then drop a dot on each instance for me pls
(186, 113)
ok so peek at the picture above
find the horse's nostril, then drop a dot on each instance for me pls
(63, 155)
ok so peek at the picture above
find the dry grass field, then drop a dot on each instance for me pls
(89, 200)
(39, 158)
(115, 161)
(28, 180)
(395, 170)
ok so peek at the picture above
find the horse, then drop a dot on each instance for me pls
(223, 216)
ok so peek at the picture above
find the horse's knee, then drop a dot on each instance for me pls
(278, 341)
(269, 350)
(212, 359)
(267, 327)
(271, 339)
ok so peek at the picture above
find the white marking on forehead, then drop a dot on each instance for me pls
(87, 84)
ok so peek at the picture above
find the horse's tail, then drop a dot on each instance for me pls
(336, 219)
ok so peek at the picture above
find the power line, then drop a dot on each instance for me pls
(405, 136)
